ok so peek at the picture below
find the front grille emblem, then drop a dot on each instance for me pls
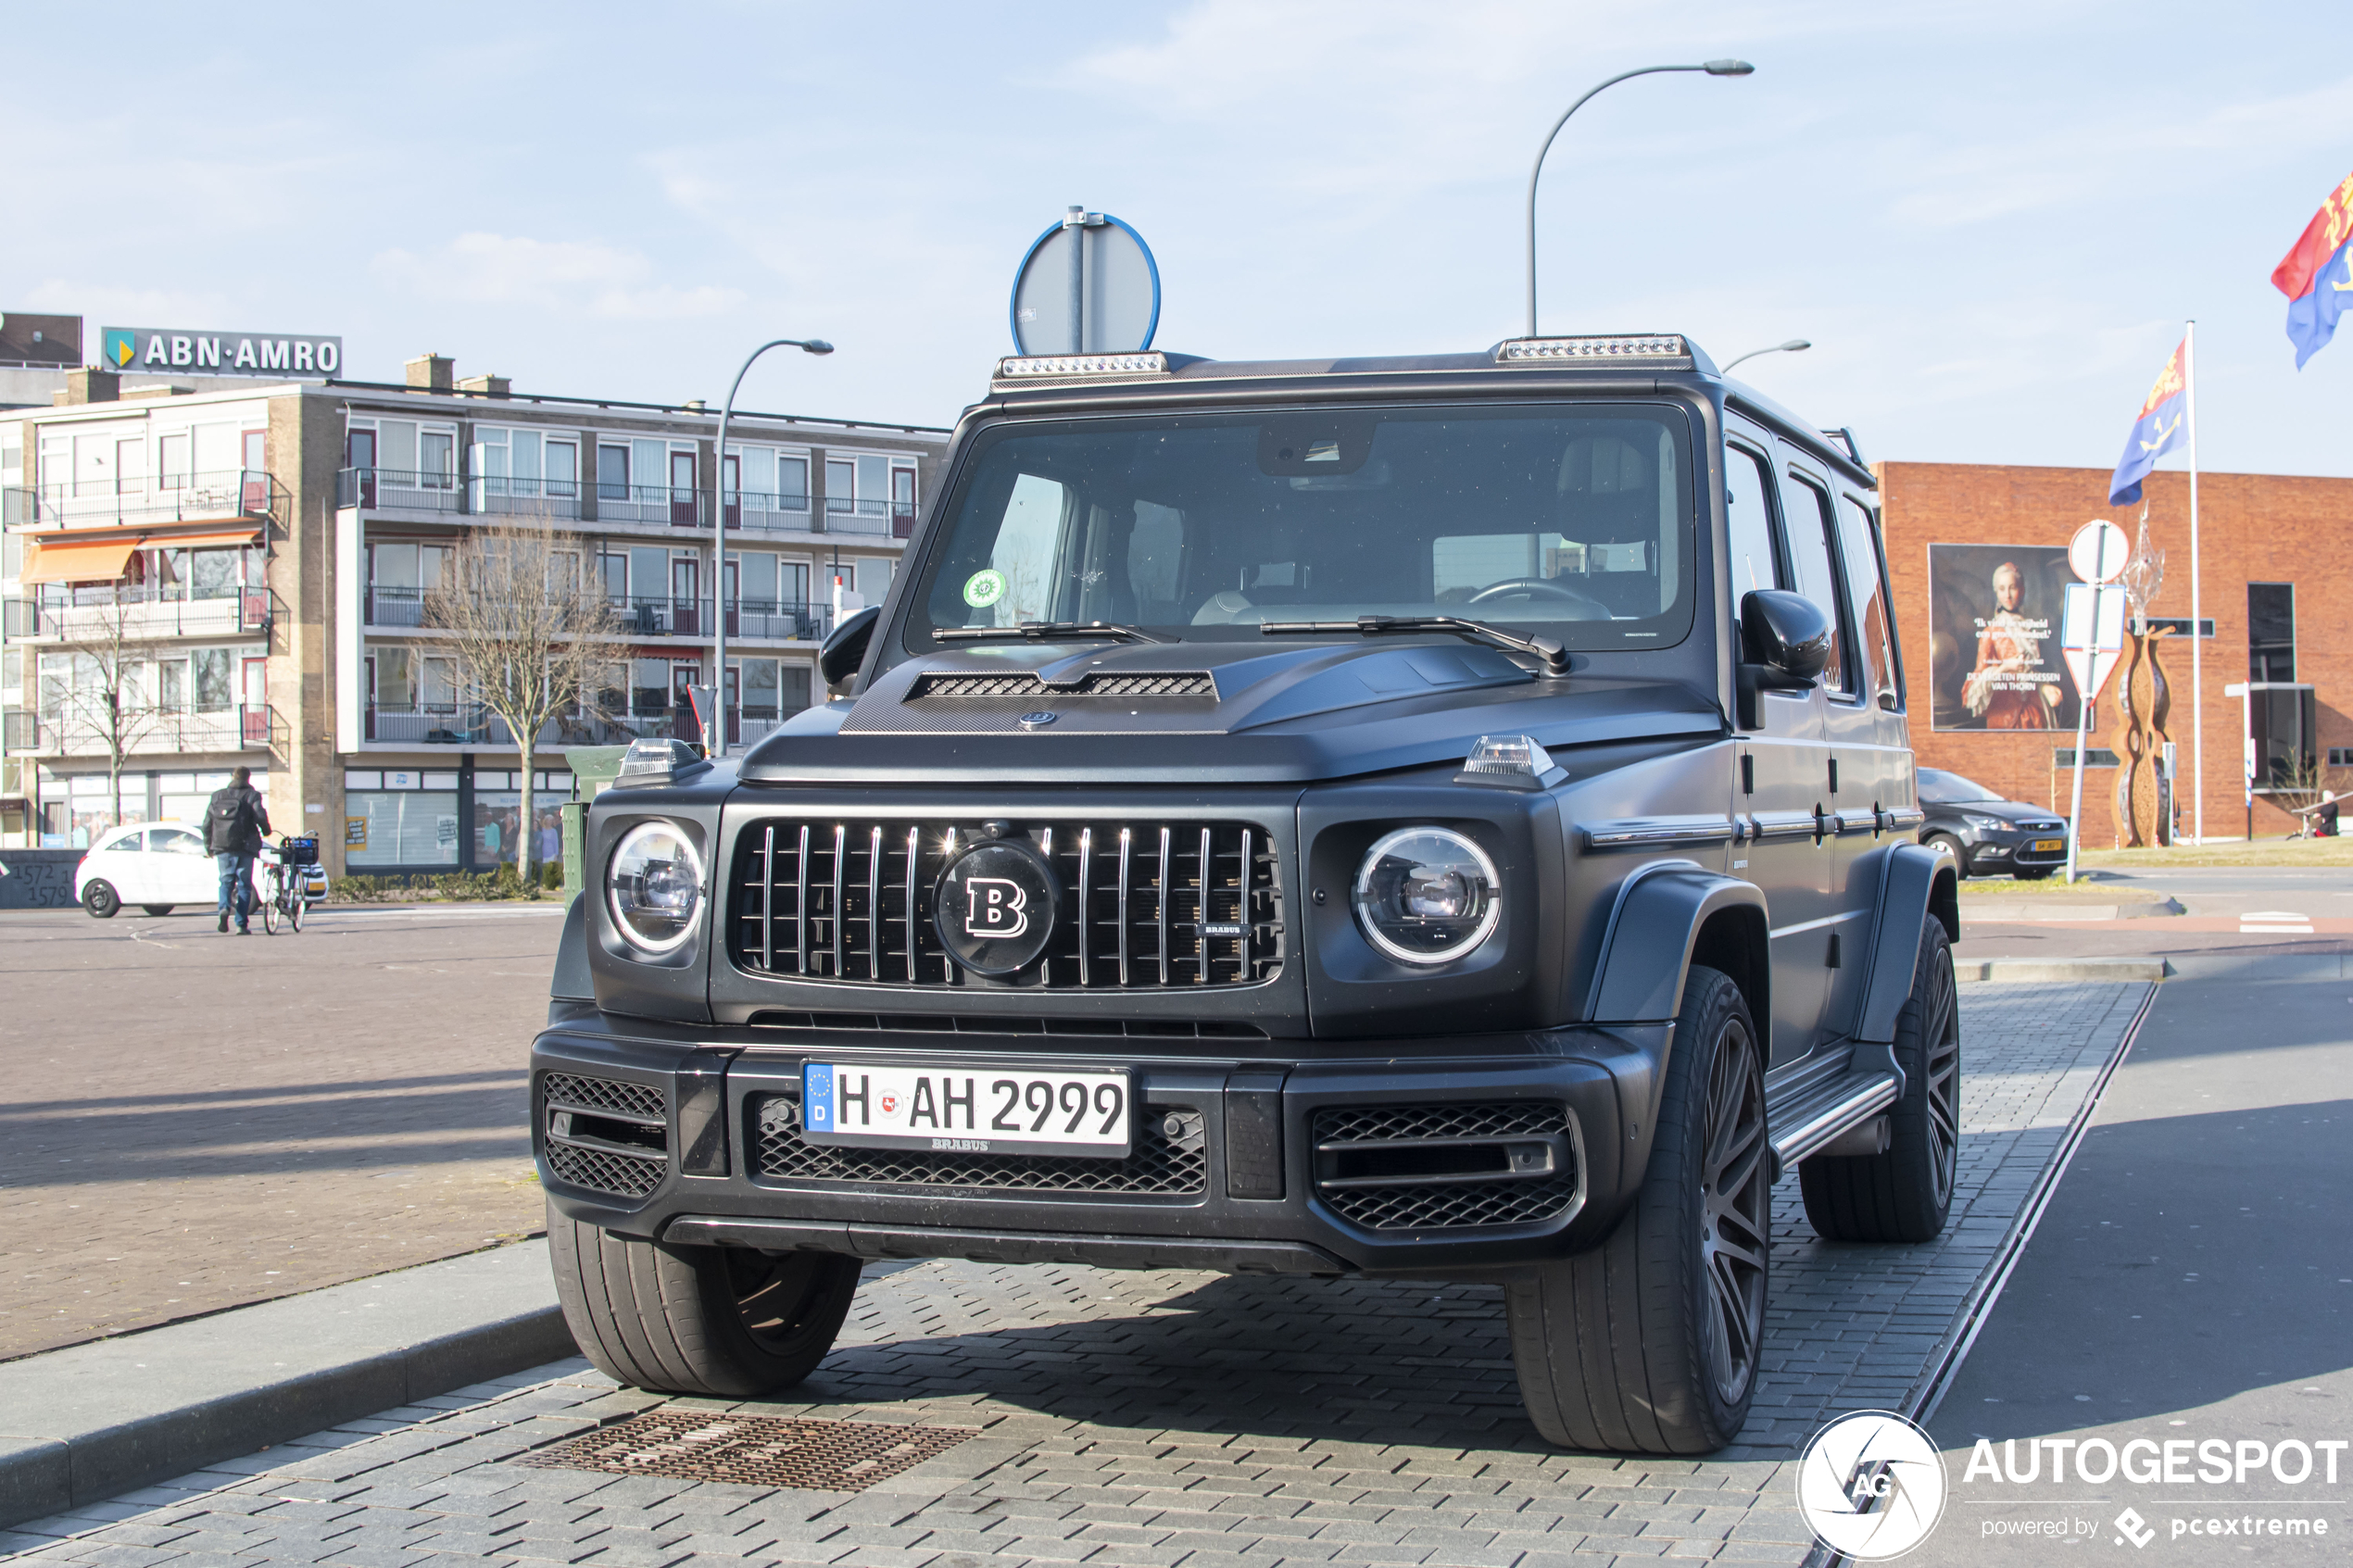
(1038, 719)
(995, 906)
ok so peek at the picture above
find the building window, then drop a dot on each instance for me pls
(2270, 631)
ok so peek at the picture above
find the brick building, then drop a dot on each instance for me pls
(2267, 565)
(242, 570)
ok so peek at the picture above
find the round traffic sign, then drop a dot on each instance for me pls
(1088, 285)
(2098, 551)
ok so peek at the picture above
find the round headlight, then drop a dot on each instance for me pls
(655, 887)
(1427, 896)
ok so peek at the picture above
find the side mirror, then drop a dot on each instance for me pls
(844, 648)
(1785, 643)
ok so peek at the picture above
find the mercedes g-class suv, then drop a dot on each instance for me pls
(1437, 817)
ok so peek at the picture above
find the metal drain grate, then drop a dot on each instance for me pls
(753, 1450)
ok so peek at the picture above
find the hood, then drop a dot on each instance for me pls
(1207, 712)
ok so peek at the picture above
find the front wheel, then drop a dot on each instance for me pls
(156, 909)
(722, 1321)
(101, 900)
(1649, 1343)
(1946, 844)
(1906, 1193)
(293, 911)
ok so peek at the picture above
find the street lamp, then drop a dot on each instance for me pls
(1794, 346)
(1713, 67)
(714, 740)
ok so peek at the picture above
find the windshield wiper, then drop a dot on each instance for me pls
(1556, 657)
(1037, 630)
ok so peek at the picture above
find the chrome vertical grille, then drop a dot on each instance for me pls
(1143, 904)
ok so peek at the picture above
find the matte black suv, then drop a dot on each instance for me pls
(1443, 817)
(1987, 835)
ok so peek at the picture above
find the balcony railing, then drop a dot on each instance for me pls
(654, 616)
(470, 724)
(399, 489)
(254, 728)
(650, 504)
(97, 614)
(229, 494)
(389, 605)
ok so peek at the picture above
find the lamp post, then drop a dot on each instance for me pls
(714, 740)
(1794, 346)
(1713, 67)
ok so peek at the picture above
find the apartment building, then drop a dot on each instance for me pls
(200, 580)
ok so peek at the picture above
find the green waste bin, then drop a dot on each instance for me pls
(594, 768)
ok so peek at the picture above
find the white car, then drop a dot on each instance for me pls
(154, 865)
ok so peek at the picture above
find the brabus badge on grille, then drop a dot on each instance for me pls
(1038, 719)
(994, 908)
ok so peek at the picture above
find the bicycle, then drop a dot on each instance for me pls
(291, 878)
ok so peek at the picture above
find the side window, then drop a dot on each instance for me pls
(1749, 520)
(1867, 592)
(1806, 509)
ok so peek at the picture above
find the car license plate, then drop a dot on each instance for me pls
(2047, 845)
(963, 1109)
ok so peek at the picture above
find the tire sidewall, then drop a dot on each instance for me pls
(100, 900)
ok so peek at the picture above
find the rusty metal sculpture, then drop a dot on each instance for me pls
(2144, 700)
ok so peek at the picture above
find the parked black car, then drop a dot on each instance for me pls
(1987, 834)
(1442, 817)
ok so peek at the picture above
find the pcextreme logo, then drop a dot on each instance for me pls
(1871, 1485)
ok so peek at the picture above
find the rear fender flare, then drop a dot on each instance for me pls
(1916, 885)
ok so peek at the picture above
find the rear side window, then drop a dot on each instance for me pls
(1806, 509)
(1749, 524)
(1867, 592)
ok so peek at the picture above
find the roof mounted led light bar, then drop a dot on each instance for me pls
(1034, 366)
(1665, 351)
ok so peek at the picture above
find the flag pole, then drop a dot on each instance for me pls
(2198, 664)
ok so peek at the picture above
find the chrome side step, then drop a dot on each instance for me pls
(1823, 1111)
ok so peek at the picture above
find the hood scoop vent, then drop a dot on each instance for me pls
(1122, 683)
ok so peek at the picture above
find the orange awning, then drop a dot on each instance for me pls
(201, 541)
(99, 561)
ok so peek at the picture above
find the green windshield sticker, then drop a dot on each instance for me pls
(984, 588)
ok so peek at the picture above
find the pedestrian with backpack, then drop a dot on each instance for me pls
(234, 824)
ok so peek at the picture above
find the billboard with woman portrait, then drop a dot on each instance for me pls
(1993, 627)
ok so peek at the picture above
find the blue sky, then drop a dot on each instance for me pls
(1991, 218)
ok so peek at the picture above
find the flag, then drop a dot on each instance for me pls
(2155, 433)
(2314, 274)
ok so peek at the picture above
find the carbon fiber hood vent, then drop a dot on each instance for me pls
(951, 683)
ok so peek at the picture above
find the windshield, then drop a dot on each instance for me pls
(1941, 788)
(1574, 521)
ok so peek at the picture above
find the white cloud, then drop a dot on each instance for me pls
(602, 280)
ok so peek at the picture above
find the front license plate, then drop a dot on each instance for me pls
(960, 1110)
(2047, 845)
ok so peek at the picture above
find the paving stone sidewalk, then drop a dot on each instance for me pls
(1201, 1420)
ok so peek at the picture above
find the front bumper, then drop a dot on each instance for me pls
(2001, 851)
(1256, 1163)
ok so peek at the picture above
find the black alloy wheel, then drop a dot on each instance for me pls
(100, 899)
(1941, 1035)
(1736, 1197)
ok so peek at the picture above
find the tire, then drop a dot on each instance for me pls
(1904, 1194)
(722, 1322)
(2032, 873)
(100, 899)
(156, 909)
(293, 913)
(1649, 1343)
(268, 912)
(1946, 844)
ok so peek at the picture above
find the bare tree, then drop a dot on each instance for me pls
(105, 696)
(529, 628)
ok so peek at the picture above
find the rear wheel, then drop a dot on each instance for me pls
(1904, 1194)
(100, 899)
(724, 1321)
(269, 909)
(1649, 1343)
(157, 909)
(294, 910)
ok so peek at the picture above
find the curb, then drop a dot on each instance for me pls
(1994, 912)
(91, 1422)
(2044, 970)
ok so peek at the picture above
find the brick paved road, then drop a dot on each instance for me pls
(1169, 1418)
(195, 1121)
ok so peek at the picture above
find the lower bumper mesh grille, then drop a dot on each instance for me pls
(1451, 1144)
(606, 1134)
(1161, 1165)
(603, 1169)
